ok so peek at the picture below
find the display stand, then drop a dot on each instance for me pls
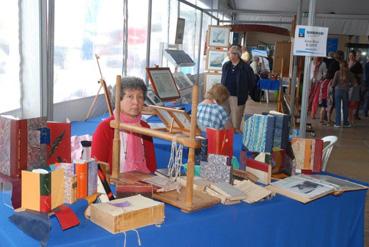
(106, 93)
(186, 199)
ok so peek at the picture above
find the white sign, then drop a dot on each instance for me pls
(259, 53)
(310, 41)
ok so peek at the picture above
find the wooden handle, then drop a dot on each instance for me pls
(191, 153)
(116, 140)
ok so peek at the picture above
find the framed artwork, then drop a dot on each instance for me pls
(210, 80)
(215, 59)
(180, 30)
(182, 80)
(219, 36)
(153, 98)
(163, 83)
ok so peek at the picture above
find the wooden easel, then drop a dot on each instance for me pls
(187, 199)
(106, 93)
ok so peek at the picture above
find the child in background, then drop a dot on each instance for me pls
(354, 99)
(323, 100)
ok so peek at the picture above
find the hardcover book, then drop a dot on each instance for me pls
(301, 188)
(261, 170)
(22, 144)
(42, 191)
(59, 148)
(217, 169)
(220, 141)
(127, 213)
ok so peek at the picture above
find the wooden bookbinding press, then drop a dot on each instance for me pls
(186, 199)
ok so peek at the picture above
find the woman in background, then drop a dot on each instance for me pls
(341, 82)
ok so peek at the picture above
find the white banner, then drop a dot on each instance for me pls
(310, 41)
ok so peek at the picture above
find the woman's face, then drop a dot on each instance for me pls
(132, 102)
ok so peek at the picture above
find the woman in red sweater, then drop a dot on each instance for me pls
(136, 151)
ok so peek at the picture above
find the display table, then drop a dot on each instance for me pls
(269, 85)
(329, 221)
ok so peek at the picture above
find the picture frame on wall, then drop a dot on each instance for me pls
(180, 31)
(218, 36)
(210, 80)
(215, 59)
(163, 83)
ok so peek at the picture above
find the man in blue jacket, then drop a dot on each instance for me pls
(239, 79)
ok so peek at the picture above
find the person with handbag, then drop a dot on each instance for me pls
(239, 79)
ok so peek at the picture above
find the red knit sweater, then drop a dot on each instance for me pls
(102, 144)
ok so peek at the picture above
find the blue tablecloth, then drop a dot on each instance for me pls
(329, 221)
(268, 84)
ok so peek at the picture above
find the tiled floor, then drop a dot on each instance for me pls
(350, 156)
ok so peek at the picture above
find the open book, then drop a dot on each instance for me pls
(305, 188)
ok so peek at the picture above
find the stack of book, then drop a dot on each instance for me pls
(227, 193)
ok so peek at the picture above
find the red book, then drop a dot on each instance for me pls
(66, 217)
(318, 155)
(220, 141)
(45, 203)
(59, 149)
(262, 170)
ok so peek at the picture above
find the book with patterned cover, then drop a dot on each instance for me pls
(21, 145)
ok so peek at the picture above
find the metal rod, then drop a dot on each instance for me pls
(294, 68)
(306, 85)
(199, 50)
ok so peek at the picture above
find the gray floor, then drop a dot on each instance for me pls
(350, 156)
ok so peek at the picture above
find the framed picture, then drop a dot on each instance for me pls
(153, 98)
(163, 83)
(219, 36)
(180, 31)
(215, 59)
(210, 80)
(182, 80)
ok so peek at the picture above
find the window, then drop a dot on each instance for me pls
(91, 27)
(137, 38)
(9, 57)
(159, 29)
(191, 34)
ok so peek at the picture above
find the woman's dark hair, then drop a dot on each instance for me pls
(130, 82)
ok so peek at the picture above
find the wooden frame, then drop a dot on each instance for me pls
(215, 58)
(187, 199)
(163, 83)
(219, 36)
(175, 120)
(210, 80)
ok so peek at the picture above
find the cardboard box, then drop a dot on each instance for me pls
(127, 213)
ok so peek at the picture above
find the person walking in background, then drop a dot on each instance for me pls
(333, 67)
(366, 94)
(239, 79)
(323, 100)
(357, 70)
(341, 83)
(318, 72)
(354, 100)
